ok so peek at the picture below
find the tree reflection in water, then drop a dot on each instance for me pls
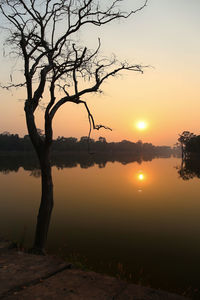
(190, 168)
(13, 161)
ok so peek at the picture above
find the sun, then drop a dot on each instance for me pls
(141, 125)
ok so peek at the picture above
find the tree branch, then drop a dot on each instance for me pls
(91, 120)
(43, 31)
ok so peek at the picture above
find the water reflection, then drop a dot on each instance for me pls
(12, 162)
(190, 168)
(141, 176)
(110, 215)
(36, 173)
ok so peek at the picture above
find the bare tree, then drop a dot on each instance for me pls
(42, 33)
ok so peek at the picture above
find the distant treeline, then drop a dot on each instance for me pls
(12, 142)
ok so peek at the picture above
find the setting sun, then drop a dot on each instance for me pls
(141, 125)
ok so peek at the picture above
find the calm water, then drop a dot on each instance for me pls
(139, 220)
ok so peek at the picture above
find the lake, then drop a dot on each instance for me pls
(139, 220)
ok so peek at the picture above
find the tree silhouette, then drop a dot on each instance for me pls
(43, 34)
(184, 139)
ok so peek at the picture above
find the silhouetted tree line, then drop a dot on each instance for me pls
(190, 143)
(12, 142)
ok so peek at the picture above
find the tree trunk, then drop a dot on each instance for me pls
(42, 148)
(46, 205)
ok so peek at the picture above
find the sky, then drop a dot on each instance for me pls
(165, 37)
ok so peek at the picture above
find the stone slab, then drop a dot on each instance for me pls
(32, 277)
(80, 285)
(18, 269)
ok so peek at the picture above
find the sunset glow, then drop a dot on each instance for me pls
(141, 125)
(145, 107)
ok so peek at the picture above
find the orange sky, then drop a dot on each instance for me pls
(165, 36)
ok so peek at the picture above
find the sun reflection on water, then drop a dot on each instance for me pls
(141, 176)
